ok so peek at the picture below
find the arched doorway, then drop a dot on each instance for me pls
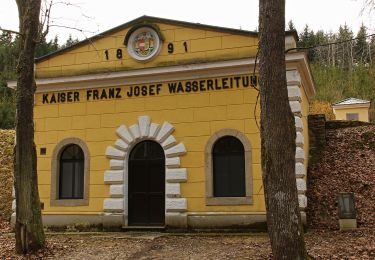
(146, 185)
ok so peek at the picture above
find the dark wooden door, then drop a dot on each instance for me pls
(146, 185)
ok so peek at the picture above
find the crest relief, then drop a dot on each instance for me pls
(144, 44)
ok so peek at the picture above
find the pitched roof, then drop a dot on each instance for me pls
(151, 19)
(351, 101)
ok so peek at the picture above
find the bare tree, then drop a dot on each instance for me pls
(278, 137)
(34, 24)
(368, 5)
(29, 227)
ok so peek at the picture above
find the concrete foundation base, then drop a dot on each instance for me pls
(80, 222)
(221, 221)
(176, 220)
(67, 221)
(210, 220)
(113, 220)
(348, 224)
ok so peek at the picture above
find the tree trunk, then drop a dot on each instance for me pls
(29, 226)
(369, 54)
(278, 136)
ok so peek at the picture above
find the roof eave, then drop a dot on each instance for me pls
(362, 105)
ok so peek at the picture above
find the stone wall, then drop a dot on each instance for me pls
(335, 124)
(317, 134)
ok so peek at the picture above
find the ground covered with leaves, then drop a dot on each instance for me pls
(6, 173)
(348, 165)
(359, 244)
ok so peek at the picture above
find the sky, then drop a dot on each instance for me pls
(95, 16)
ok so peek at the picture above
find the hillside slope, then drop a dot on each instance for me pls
(348, 165)
(6, 173)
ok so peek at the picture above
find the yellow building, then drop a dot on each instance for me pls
(352, 109)
(153, 123)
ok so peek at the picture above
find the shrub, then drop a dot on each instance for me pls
(322, 107)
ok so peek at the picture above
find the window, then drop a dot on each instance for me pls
(352, 116)
(71, 173)
(228, 169)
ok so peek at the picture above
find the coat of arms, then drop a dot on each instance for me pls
(144, 43)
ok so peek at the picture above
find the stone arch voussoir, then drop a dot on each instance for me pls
(118, 153)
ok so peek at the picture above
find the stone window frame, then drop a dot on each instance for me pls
(55, 171)
(210, 199)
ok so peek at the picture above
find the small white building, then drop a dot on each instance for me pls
(352, 109)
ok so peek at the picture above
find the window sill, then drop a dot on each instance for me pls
(211, 201)
(69, 203)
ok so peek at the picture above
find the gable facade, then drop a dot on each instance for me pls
(169, 138)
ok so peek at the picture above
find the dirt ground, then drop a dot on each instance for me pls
(359, 244)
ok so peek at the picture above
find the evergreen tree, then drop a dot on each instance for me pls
(9, 52)
(291, 26)
(361, 46)
(69, 42)
(44, 47)
(307, 39)
(319, 53)
(7, 114)
(8, 59)
(345, 54)
(305, 36)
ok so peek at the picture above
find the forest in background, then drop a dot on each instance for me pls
(8, 63)
(341, 67)
(342, 64)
